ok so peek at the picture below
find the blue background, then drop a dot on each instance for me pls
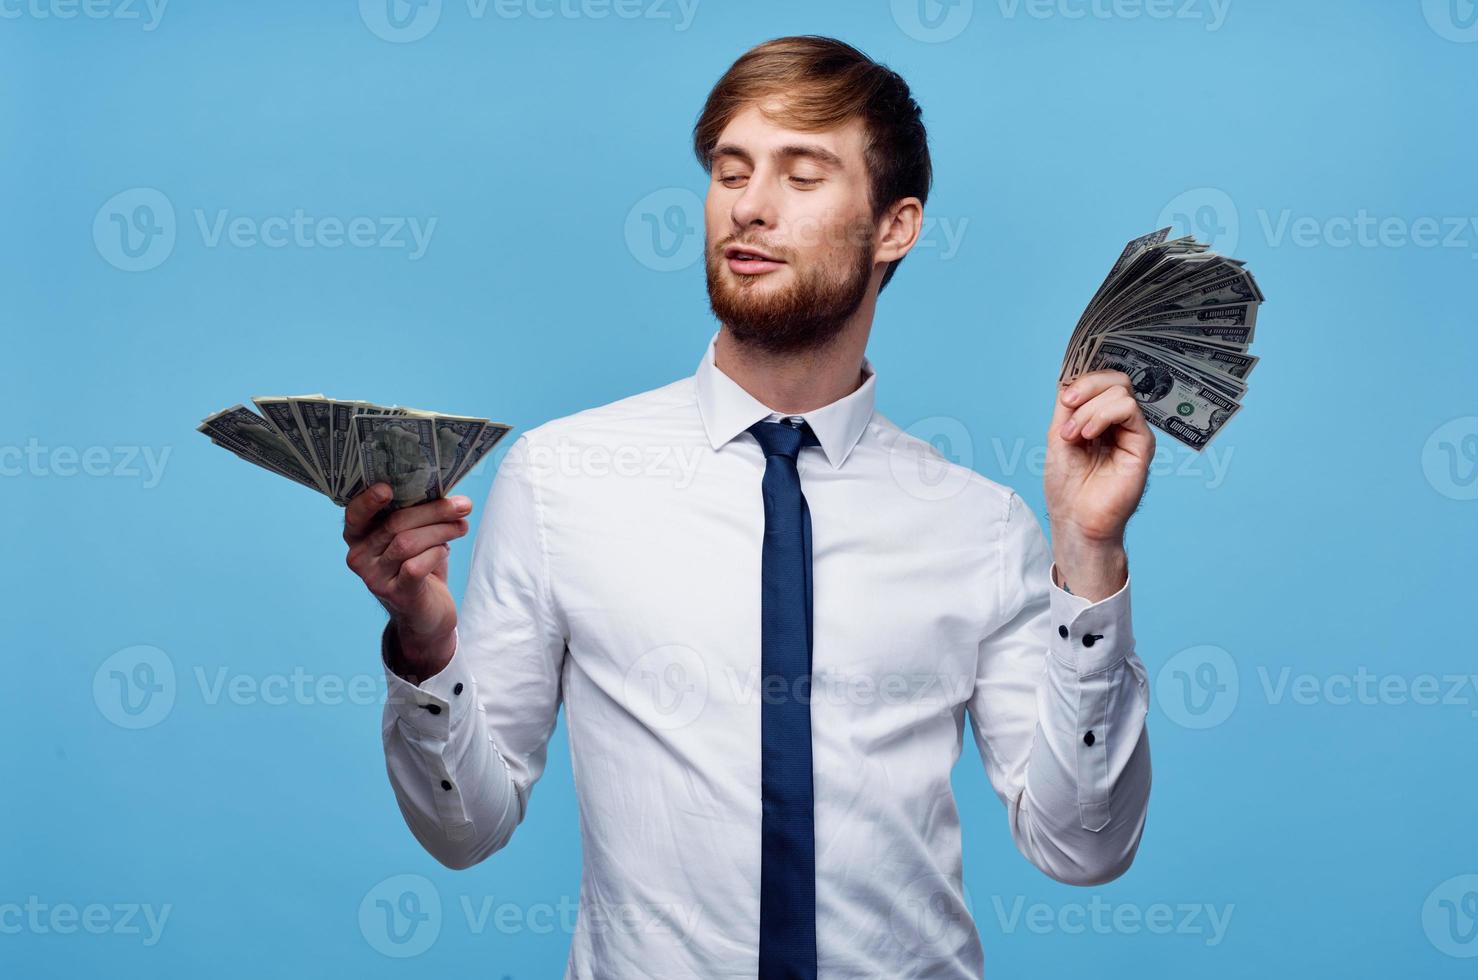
(1332, 537)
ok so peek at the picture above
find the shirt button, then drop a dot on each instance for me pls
(435, 709)
(445, 784)
(1089, 739)
(458, 688)
(1091, 638)
(1062, 632)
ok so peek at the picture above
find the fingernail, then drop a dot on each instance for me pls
(462, 505)
(381, 491)
(1069, 396)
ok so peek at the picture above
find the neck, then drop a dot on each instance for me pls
(794, 383)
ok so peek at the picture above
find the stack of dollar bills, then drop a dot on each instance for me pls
(340, 448)
(1178, 319)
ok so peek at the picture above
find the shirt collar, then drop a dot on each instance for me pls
(727, 409)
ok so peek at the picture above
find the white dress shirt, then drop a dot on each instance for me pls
(616, 569)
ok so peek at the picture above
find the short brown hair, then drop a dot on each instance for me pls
(824, 83)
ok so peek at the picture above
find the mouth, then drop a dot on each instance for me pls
(750, 261)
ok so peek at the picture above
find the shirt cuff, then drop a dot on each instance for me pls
(428, 707)
(1089, 636)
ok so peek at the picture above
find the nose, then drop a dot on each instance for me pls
(756, 204)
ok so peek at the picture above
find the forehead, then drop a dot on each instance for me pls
(757, 136)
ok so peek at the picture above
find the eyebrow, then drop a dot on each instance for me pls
(813, 151)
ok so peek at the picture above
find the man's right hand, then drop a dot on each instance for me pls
(402, 557)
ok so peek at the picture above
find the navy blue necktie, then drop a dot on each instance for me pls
(787, 832)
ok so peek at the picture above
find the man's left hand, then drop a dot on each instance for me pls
(1099, 448)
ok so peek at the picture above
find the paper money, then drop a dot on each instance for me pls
(1178, 319)
(330, 445)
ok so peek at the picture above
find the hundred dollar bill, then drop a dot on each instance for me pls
(247, 435)
(278, 411)
(1172, 399)
(486, 440)
(1206, 357)
(313, 414)
(400, 451)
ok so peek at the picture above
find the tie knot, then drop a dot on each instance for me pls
(783, 438)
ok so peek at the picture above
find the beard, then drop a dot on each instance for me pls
(807, 315)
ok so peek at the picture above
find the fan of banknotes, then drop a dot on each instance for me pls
(1178, 319)
(341, 447)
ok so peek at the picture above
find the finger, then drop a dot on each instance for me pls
(410, 518)
(1088, 386)
(415, 569)
(363, 510)
(1105, 409)
(407, 544)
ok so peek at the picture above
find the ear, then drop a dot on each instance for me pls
(899, 229)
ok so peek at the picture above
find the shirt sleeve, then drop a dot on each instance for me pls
(464, 747)
(1058, 713)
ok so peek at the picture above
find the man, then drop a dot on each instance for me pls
(766, 627)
